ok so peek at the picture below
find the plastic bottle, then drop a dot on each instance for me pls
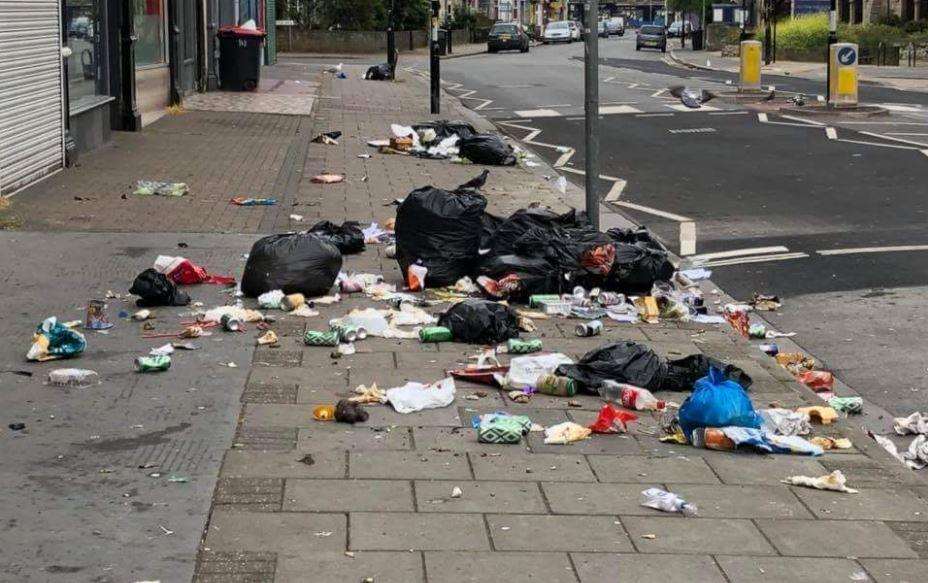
(72, 377)
(666, 502)
(630, 396)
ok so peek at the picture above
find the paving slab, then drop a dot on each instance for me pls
(790, 570)
(835, 538)
(679, 535)
(597, 444)
(485, 497)
(291, 464)
(896, 570)
(543, 467)
(380, 566)
(417, 531)
(419, 465)
(330, 436)
(762, 469)
(611, 499)
(731, 501)
(514, 567)
(650, 470)
(557, 533)
(348, 495)
(637, 568)
(867, 504)
(282, 532)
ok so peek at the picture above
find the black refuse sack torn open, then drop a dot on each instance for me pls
(349, 238)
(487, 149)
(636, 364)
(445, 129)
(480, 322)
(155, 289)
(379, 72)
(293, 262)
(441, 231)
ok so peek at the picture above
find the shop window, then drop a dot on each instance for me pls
(84, 23)
(150, 26)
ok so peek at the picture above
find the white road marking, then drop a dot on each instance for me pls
(654, 115)
(762, 117)
(886, 137)
(761, 259)
(537, 113)
(685, 109)
(925, 152)
(832, 133)
(608, 79)
(854, 250)
(655, 212)
(687, 238)
(730, 113)
(658, 92)
(887, 123)
(803, 120)
(555, 105)
(898, 107)
(865, 143)
(614, 109)
(616, 191)
(693, 131)
(916, 134)
(514, 86)
(740, 252)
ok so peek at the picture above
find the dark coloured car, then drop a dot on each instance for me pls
(652, 37)
(509, 36)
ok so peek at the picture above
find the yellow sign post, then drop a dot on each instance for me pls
(750, 65)
(843, 81)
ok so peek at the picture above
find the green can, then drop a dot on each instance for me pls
(550, 384)
(537, 300)
(152, 363)
(514, 346)
(435, 334)
(347, 332)
(319, 338)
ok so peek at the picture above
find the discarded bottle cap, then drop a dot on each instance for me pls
(324, 413)
(591, 328)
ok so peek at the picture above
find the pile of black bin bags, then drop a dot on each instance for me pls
(534, 250)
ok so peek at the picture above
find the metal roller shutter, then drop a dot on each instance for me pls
(31, 104)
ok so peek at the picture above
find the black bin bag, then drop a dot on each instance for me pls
(487, 149)
(637, 267)
(480, 322)
(349, 238)
(379, 72)
(293, 262)
(441, 231)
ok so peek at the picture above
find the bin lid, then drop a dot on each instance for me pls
(238, 31)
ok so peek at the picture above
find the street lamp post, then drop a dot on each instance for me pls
(391, 40)
(832, 39)
(591, 108)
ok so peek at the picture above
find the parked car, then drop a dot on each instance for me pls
(616, 25)
(575, 30)
(601, 29)
(676, 28)
(558, 32)
(507, 36)
(651, 36)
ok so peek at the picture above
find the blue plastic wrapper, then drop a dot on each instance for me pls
(55, 340)
(717, 402)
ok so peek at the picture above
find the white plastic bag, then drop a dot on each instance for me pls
(525, 370)
(414, 396)
(666, 502)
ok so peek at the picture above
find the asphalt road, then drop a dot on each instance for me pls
(825, 200)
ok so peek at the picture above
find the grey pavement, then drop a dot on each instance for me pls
(272, 495)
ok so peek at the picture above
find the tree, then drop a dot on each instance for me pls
(356, 14)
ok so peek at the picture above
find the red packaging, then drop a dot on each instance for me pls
(612, 420)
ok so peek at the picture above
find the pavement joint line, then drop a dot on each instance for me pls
(756, 259)
(740, 252)
(889, 249)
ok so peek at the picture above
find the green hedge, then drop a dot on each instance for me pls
(809, 33)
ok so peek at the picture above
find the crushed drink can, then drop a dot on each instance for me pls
(96, 316)
(537, 300)
(757, 331)
(320, 338)
(231, 323)
(591, 328)
(550, 384)
(557, 308)
(435, 334)
(152, 363)
(607, 298)
(348, 332)
(515, 346)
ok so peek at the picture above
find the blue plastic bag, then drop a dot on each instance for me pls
(717, 402)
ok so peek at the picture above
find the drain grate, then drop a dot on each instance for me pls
(256, 494)
(266, 438)
(235, 567)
